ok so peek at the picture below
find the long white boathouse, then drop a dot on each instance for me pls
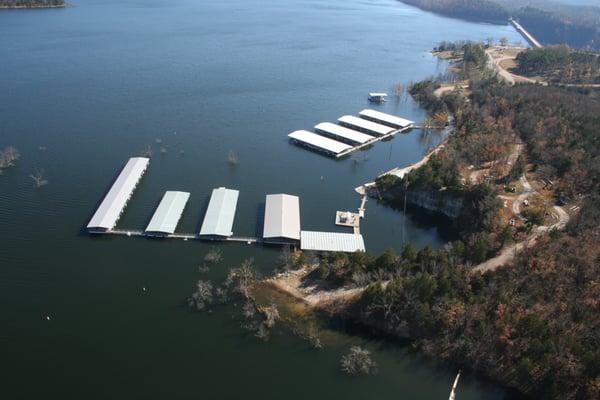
(108, 213)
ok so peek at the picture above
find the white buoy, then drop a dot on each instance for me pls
(47, 318)
(144, 289)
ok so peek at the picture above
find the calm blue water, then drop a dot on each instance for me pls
(86, 87)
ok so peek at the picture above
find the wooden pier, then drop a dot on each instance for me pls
(352, 220)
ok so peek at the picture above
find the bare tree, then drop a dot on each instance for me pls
(146, 151)
(8, 157)
(271, 314)
(313, 336)
(286, 260)
(203, 296)
(232, 158)
(213, 256)
(358, 362)
(239, 278)
(38, 178)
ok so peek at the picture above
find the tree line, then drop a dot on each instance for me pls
(550, 22)
(31, 3)
(560, 64)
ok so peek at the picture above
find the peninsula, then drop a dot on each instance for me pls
(516, 298)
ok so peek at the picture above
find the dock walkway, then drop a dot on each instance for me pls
(182, 236)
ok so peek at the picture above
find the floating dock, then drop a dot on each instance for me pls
(282, 219)
(351, 133)
(108, 213)
(220, 213)
(331, 241)
(385, 119)
(319, 143)
(343, 134)
(363, 125)
(167, 214)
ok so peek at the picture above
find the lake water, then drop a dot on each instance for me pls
(86, 87)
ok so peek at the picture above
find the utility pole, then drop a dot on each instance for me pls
(404, 216)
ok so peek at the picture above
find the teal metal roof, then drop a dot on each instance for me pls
(220, 212)
(167, 215)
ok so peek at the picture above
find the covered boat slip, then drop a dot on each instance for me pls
(282, 219)
(108, 213)
(364, 125)
(167, 215)
(343, 134)
(385, 119)
(220, 213)
(331, 241)
(318, 142)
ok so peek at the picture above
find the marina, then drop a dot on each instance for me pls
(222, 75)
(281, 224)
(351, 133)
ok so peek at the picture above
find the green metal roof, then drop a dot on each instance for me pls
(167, 215)
(220, 212)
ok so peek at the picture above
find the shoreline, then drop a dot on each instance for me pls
(363, 189)
(32, 7)
(312, 293)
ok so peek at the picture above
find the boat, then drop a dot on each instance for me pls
(377, 97)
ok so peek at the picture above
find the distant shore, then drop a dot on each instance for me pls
(31, 7)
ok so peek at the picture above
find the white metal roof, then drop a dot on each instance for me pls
(312, 139)
(386, 118)
(331, 241)
(282, 217)
(114, 202)
(366, 125)
(220, 212)
(167, 214)
(342, 132)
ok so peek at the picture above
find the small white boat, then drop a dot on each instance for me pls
(377, 97)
